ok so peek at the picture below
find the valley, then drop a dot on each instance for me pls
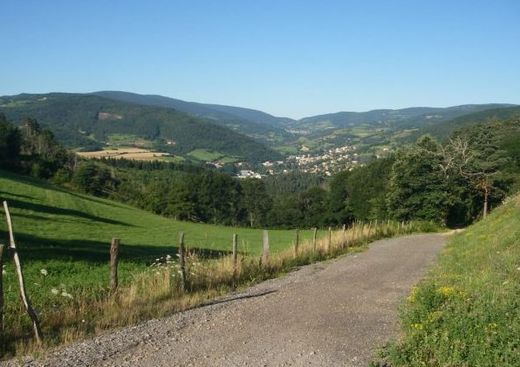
(178, 131)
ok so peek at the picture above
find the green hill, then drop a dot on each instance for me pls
(443, 129)
(70, 234)
(83, 120)
(63, 239)
(257, 124)
(52, 222)
(405, 118)
(466, 312)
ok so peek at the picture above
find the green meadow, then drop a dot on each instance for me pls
(63, 238)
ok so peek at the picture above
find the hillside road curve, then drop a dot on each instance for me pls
(335, 313)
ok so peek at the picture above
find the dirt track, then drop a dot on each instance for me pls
(327, 314)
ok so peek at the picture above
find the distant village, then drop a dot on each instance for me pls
(325, 163)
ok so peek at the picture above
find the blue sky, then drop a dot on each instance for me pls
(288, 58)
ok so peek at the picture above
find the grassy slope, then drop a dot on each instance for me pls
(467, 311)
(68, 234)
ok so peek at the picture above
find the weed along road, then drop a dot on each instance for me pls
(335, 313)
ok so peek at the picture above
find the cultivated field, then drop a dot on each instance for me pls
(126, 153)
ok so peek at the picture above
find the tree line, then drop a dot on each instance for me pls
(451, 184)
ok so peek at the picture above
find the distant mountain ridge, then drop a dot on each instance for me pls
(257, 124)
(182, 127)
(412, 117)
(80, 120)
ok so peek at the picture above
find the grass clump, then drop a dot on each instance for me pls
(467, 311)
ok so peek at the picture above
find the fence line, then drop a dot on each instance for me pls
(214, 274)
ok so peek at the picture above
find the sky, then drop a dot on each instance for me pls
(288, 58)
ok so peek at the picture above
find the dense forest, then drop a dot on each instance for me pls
(451, 184)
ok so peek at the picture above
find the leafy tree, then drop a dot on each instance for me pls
(10, 141)
(418, 189)
(93, 179)
(475, 155)
(367, 188)
(313, 207)
(256, 201)
(182, 200)
(339, 211)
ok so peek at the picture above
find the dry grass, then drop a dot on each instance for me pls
(157, 292)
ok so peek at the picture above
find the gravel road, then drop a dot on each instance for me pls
(335, 313)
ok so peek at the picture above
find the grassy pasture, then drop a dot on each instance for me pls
(210, 156)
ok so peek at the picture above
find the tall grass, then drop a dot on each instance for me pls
(467, 310)
(157, 291)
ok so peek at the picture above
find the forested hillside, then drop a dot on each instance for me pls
(257, 124)
(89, 121)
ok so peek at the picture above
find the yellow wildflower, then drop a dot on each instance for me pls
(413, 294)
(446, 291)
(417, 326)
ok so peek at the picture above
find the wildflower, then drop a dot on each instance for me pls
(168, 257)
(55, 291)
(446, 291)
(417, 326)
(44, 272)
(413, 294)
(65, 294)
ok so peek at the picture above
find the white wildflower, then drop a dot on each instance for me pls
(65, 294)
(44, 272)
(168, 257)
(55, 291)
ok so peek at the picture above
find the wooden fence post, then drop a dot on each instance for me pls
(314, 235)
(19, 273)
(114, 261)
(265, 243)
(343, 236)
(1, 291)
(182, 261)
(235, 256)
(329, 242)
(296, 242)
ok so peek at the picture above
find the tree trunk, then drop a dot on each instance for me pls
(486, 198)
